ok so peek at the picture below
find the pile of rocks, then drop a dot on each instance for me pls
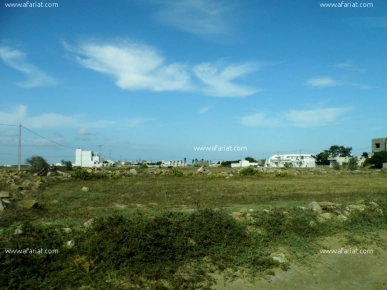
(329, 210)
(16, 186)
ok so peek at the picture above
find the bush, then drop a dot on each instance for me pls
(83, 174)
(67, 164)
(37, 163)
(175, 172)
(282, 174)
(378, 159)
(248, 171)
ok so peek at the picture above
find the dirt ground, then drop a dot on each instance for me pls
(329, 271)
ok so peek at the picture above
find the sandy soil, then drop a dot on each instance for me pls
(330, 271)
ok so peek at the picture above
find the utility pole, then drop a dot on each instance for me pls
(19, 151)
(100, 150)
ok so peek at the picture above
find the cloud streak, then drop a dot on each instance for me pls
(322, 82)
(296, 118)
(195, 16)
(17, 60)
(140, 67)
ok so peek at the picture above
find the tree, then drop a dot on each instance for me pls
(37, 163)
(250, 159)
(378, 159)
(67, 164)
(365, 155)
(333, 151)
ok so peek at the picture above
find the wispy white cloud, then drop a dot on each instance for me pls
(86, 132)
(140, 67)
(349, 66)
(135, 66)
(19, 115)
(315, 117)
(17, 60)
(136, 122)
(323, 82)
(202, 17)
(204, 109)
(219, 81)
(296, 118)
(260, 120)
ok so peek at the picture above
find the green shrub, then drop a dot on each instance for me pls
(248, 171)
(83, 174)
(282, 174)
(175, 172)
(37, 163)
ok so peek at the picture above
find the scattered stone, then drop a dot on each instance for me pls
(315, 206)
(312, 223)
(85, 189)
(243, 210)
(27, 204)
(53, 202)
(153, 204)
(70, 244)
(133, 171)
(67, 230)
(18, 231)
(251, 210)
(373, 204)
(89, 224)
(4, 194)
(266, 210)
(5, 200)
(342, 218)
(359, 207)
(327, 215)
(326, 205)
(279, 257)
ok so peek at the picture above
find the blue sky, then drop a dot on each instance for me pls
(153, 79)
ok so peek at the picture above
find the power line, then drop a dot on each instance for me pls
(49, 139)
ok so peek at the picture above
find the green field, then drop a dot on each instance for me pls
(171, 232)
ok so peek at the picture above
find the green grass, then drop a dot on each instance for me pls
(164, 232)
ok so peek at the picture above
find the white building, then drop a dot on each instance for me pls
(291, 160)
(243, 163)
(87, 158)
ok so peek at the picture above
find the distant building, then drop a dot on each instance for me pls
(244, 163)
(87, 158)
(379, 144)
(291, 160)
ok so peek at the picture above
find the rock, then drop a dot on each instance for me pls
(5, 200)
(327, 215)
(153, 204)
(326, 205)
(67, 230)
(266, 210)
(251, 210)
(243, 210)
(133, 171)
(315, 206)
(70, 244)
(312, 223)
(18, 231)
(89, 223)
(85, 189)
(353, 207)
(4, 194)
(53, 202)
(27, 204)
(342, 218)
(373, 204)
(279, 257)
